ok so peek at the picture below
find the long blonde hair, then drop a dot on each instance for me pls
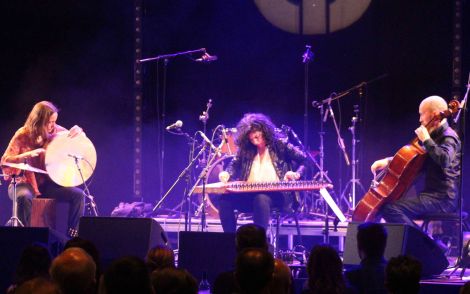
(37, 119)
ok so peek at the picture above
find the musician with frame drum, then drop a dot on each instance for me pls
(28, 145)
(441, 168)
(261, 157)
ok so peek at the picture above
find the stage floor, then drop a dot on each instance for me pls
(288, 231)
(314, 227)
(308, 227)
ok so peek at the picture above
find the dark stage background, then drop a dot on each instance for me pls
(79, 55)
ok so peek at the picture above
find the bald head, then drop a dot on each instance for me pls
(433, 103)
(428, 109)
(74, 271)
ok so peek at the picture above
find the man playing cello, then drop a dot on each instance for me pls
(441, 168)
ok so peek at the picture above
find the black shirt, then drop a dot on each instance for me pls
(442, 167)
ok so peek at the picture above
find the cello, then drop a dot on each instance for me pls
(398, 176)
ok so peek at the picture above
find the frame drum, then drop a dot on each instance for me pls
(213, 177)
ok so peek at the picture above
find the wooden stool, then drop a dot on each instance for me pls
(43, 213)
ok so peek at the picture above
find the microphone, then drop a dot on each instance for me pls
(209, 142)
(308, 55)
(207, 58)
(290, 131)
(76, 157)
(329, 110)
(177, 125)
(286, 129)
(316, 104)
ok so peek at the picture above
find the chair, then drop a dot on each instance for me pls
(446, 217)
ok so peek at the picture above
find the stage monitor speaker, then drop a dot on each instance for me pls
(116, 237)
(13, 240)
(201, 252)
(402, 240)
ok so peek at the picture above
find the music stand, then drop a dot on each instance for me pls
(332, 204)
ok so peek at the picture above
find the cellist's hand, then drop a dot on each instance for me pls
(379, 165)
(422, 133)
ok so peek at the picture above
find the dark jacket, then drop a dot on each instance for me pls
(368, 277)
(285, 157)
(442, 167)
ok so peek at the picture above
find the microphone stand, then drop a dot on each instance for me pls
(312, 159)
(347, 92)
(354, 162)
(172, 55)
(463, 261)
(189, 176)
(320, 104)
(181, 175)
(326, 236)
(91, 205)
(307, 57)
(203, 177)
(341, 144)
(204, 117)
(323, 117)
(161, 113)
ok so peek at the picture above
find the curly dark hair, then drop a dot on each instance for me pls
(254, 122)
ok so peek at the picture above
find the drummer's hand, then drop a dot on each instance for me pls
(33, 153)
(291, 176)
(75, 131)
(224, 176)
(422, 133)
(379, 165)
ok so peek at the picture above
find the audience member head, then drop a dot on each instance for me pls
(174, 281)
(74, 271)
(325, 270)
(160, 257)
(282, 278)
(89, 248)
(251, 236)
(126, 275)
(371, 240)
(254, 269)
(465, 288)
(402, 275)
(34, 262)
(38, 286)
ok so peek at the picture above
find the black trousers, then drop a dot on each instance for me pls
(72, 195)
(258, 203)
(404, 210)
